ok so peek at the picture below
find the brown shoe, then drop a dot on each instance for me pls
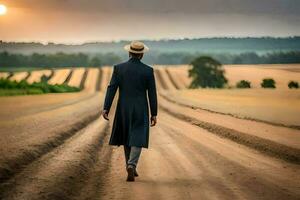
(130, 174)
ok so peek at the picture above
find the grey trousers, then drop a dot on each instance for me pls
(132, 155)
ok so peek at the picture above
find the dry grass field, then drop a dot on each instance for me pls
(18, 76)
(208, 144)
(282, 74)
(59, 76)
(37, 75)
(277, 106)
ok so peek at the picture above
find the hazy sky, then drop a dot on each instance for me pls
(76, 21)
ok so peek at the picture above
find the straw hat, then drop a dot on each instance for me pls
(136, 47)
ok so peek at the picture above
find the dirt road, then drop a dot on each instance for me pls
(186, 162)
(183, 162)
(46, 155)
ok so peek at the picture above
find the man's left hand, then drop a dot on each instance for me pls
(153, 120)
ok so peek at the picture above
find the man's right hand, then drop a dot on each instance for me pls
(153, 120)
(105, 114)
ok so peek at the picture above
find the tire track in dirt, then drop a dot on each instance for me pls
(147, 185)
(168, 98)
(98, 175)
(57, 103)
(61, 173)
(265, 146)
(14, 165)
(235, 171)
(20, 148)
(167, 82)
(186, 162)
(172, 79)
(161, 82)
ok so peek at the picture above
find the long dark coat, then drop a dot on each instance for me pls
(131, 122)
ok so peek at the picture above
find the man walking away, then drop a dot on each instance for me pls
(131, 122)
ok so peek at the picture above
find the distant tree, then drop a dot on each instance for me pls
(268, 83)
(243, 84)
(207, 72)
(95, 62)
(293, 84)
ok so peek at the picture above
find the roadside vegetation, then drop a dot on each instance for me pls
(11, 88)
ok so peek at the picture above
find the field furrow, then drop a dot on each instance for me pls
(254, 104)
(275, 141)
(76, 77)
(176, 80)
(19, 76)
(66, 166)
(165, 79)
(204, 146)
(181, 74)
(91, 80)
(26, 138)
(253, 73)
(36, 76)
(186, 162)
(4, 75)
(60, 76)
(107, 73)
(99, 80)
(160, 82)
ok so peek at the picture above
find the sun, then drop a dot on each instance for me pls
(3, 9)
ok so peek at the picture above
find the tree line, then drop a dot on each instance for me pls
(225, 58)
(95, 60)
(57, 60)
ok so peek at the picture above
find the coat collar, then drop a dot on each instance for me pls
(133, 59)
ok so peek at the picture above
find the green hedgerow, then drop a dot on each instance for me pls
(8, 87)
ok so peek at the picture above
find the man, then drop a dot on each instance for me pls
(131, 123)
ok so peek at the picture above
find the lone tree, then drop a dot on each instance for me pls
(207, 72)
(268, 83)
(293, 84)
(243, 84)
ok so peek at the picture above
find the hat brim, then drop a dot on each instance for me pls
(127, 48)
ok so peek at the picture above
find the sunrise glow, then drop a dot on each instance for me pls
(3, 9)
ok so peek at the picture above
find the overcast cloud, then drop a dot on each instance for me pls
(90, 20)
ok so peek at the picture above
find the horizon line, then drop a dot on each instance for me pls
(149, 40)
